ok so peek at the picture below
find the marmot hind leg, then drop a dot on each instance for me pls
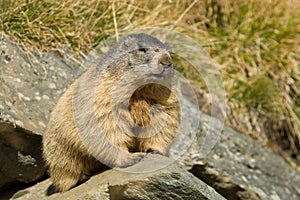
(63, 179)
(71, 171)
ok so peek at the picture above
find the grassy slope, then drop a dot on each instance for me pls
(255, 42)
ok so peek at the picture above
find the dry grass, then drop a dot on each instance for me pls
(256, 43)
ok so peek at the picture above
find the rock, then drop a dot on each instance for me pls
(170, 182)
(30, 84)
(19, 160)
(242, 168)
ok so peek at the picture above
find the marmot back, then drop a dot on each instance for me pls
(121, 94)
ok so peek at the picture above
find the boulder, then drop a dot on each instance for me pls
(240, 167)
(20, 153)
(30, 84)
(170, 182)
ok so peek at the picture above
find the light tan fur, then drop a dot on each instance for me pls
(69, 160)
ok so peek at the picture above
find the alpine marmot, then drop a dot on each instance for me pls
(124, 100)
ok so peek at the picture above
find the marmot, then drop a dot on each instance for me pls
(127, 133)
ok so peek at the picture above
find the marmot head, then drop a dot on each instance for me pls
(140, 70)
(139, 52)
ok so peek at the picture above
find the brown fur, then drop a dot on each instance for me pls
(68, 158)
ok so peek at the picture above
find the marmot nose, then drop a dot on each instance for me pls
(165, 59)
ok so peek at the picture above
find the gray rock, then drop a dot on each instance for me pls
(171, 182)
(242, 168)
(19, 160)
(30, 84)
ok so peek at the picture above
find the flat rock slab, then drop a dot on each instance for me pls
(170, 182)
